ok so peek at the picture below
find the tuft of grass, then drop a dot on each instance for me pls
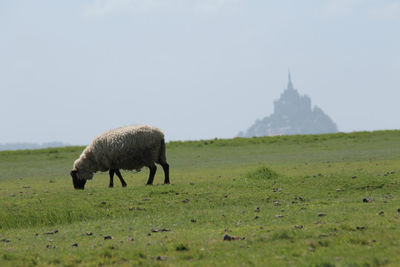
(181, 247)
(263, 173)
(282, 234)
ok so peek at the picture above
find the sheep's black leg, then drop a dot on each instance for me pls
(166, 172)
(120, 178)
(111, 172)
(153, 170)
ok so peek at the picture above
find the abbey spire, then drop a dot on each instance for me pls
(290, 85)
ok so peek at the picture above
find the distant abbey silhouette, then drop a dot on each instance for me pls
(293, 114)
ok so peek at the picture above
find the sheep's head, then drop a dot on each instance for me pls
(79, 178)
(80, 172)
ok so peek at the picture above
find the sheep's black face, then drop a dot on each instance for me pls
(78, 183)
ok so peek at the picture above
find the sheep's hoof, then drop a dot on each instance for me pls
(124, 185)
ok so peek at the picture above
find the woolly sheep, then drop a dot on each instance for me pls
(129, 148)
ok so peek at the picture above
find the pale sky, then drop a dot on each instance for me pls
(197, 69)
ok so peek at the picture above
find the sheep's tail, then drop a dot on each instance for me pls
(162, 158)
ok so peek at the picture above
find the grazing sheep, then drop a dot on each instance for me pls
(129, 148)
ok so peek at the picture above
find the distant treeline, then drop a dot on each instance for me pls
(20, 146)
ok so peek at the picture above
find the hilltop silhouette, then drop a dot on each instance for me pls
(293, 114)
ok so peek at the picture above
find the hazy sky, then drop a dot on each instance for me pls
(197, 69)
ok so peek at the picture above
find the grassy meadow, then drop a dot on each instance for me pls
(317, 200)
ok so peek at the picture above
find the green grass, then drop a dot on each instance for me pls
(296, 200)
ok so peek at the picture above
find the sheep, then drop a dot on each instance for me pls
(128, 148)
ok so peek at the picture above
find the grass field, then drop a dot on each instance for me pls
(320, 200)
